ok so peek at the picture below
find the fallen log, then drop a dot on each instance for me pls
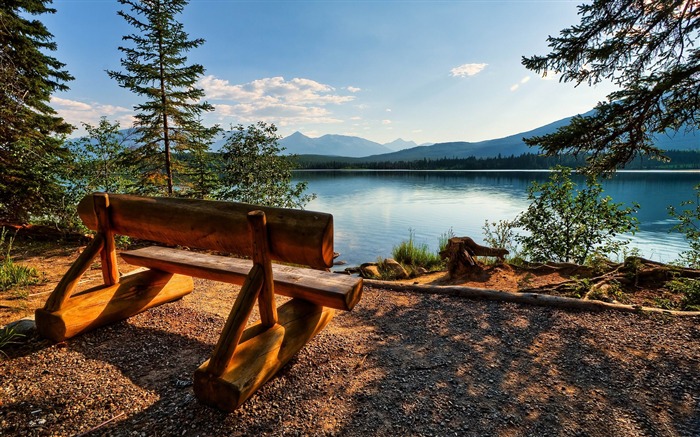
(524, 298)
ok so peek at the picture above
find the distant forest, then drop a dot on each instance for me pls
(680, 160)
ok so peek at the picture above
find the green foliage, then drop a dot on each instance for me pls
(444, 239)
(8, 336)
(688, 225)
(31, 135)
(414, 254)
(201, 170)
(501, 235)
(680, 159)
(579, 287)
(98, 164)
(14, 276)
(649, 50)
(598, 262)
(567, 224)
(253, 170)
(690, 289)
(156, 68)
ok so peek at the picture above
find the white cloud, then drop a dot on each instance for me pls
(385, 122)
(353, 89)
(465, 70)
(524, 80)
(76, 113)
(274, 99)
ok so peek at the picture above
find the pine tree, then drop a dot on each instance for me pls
(649, 49)
(201, 170)
(31, 135)
(156, 68)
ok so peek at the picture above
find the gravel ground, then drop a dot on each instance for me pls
(399, 363)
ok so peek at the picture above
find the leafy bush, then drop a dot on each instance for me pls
(411, 253)
(501, 235)
(690, 289)
(567, 224)
(11, 274)
(688, 220)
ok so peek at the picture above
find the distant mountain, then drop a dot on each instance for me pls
(511, 145)
(514, 145)
(400, 144)
(331, 145)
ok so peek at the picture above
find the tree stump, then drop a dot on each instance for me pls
(460, 253)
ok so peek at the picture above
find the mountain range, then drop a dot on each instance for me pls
(339, 145)
(369, 151)
(360, 149)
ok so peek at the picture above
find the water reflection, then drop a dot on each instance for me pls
(373, 210)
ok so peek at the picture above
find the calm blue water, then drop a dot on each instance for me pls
(374, 210)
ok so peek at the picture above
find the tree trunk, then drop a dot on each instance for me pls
(460, 252)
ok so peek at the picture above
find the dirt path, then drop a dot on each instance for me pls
(400, 363)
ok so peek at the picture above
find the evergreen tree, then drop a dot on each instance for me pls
(201, 170)
(254, 171)
(648, 48)
(31, 135)
(156, 68)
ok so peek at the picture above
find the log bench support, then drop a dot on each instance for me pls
(243, 359)
(67, 314)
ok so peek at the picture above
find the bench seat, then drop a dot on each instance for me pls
(323, 288)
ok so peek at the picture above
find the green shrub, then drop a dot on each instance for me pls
(564, 223)
(410, 253)
(11, 274)
(688, 220)
(501, 235)
(690, 289)
(579, 287)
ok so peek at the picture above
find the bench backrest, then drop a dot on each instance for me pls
(295, 236)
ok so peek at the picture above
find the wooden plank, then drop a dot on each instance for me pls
(322, 288)
(296, 236)
(237, 318)
(261, 256)
(99, 306)
(260, 354)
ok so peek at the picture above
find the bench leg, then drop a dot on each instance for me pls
(260, 354)
(99, 306)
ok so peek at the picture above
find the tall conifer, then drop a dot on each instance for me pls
(156, 68)
(31, 135)
(649, 49)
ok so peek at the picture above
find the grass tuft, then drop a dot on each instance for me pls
(14, 276)
(410, 253)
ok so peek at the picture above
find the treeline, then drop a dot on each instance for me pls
(679, 160)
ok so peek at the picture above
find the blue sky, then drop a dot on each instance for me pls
(427, 71)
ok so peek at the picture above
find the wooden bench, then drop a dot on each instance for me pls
(243, 359)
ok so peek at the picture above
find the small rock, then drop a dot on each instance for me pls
(394, 269)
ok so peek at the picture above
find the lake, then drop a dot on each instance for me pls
(374, 210)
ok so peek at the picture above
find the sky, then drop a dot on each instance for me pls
(423, 71)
